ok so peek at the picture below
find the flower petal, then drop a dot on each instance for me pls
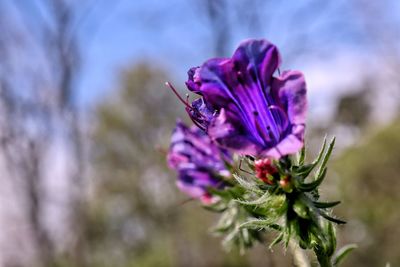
(291, 90)
(226, 135)
(191, 145)
(291, 144)
(193, 82)
(252, 112)
(199, 162)
(259, 55)
(241, 86)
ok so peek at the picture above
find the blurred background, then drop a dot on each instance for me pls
(85, 120)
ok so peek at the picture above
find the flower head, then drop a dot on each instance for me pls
(198, 161)
(244, 107)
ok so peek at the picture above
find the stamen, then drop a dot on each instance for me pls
(186, 103)
(279, 72)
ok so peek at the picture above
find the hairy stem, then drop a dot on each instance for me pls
(299, 255)
(324, 261)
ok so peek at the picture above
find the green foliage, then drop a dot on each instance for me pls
(368, 175)
(287, 205)
(342, 253)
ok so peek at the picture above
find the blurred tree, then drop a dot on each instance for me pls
(41, 55)
(369, 181)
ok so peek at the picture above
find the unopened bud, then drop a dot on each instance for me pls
(265, 170)
(286, 184)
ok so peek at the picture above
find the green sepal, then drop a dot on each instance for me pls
(342, 253)
(308, 187)
(277, 240)
(219, 206)
(303, 170)
(227, 193)
(302, 155)
(257, 224)
(325, 205)
(247, 185)
(263, 199)
(301, 209)
(331, 239)
(328, 154)
(329, 218)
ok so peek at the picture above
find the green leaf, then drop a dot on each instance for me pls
(301, 209)
(221, 193)
(326, 157)
(331, 239)
(343, 253)
(321, 153)
(277, 240)
(220, 206)
(329, 218)
(252, 187)
(287, 235)
(307, 187)
(325, 205)
(304, 170)
(302, 155)
(256, 202)
(257, 224)
(229, 238)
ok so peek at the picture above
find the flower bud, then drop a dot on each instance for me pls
(265, 170)
(286, 184)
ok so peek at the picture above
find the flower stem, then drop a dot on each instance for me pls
(324, 261)
(300, 257)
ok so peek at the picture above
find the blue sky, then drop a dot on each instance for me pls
(173, 35)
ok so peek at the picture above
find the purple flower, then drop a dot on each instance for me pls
(199, 162)
(244, 107)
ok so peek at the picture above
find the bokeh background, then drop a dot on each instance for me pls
(85, 121)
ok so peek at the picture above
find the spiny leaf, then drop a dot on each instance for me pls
(301, 209)
(342, 254)
(227, 220)
(307, 187)
(325, 205)
(305, 170)
(217, 207)
(321, 153)
(228, 239)
(221, 193)
(246, 237)
(329, 218)
(256, 202)
(277, 240)
(331, 239)
(302, 155)
(286, 237)
(248, 185)
(257, 224)
(326, 157)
